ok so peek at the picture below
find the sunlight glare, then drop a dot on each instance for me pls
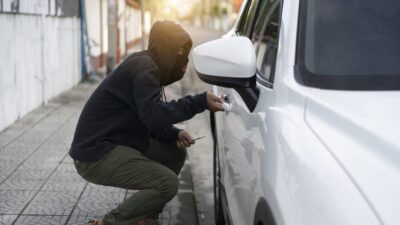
(174, 3)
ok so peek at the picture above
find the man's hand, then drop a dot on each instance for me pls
(214, 102)
(184, 140)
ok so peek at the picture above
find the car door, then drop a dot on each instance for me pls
(244, 132)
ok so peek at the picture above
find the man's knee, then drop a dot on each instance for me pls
(169, 186)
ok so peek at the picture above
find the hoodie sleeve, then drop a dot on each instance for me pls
(167, 135)
(156, 114)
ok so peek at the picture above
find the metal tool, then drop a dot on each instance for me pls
(198, 138)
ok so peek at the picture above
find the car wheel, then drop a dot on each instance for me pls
(218, 210)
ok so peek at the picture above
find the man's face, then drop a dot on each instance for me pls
(182, 60)
(183, 57)
(180, 66)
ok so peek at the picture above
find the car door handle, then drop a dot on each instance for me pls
(227, 105)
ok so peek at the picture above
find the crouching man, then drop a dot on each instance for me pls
(125, 135)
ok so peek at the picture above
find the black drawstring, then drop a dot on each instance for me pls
(163, 93)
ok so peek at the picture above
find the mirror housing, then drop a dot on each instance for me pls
(229, 62)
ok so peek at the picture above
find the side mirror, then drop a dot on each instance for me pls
(229, 62)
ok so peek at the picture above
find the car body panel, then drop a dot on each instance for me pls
(362, 134)
(306, 151)
(272, 154)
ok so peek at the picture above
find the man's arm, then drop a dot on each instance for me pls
(167, 135)
(156, 114)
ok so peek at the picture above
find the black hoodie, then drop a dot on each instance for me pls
(127, 107)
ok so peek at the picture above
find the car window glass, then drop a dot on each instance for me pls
(266, 36)
(352, 37)
(260, 23)
(248, 20)
(243, 17)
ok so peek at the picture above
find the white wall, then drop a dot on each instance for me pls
(39, 59)
(122, 9)
(93, 23)
(133, 24)
(129, 24)
(105, 25)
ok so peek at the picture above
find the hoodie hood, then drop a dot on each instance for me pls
(165, 41)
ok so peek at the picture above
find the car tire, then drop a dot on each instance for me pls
(218, 208)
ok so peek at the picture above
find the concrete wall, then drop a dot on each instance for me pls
(39, 59)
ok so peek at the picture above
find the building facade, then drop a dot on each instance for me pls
(128, 28)
(44, 52)
(40, 54)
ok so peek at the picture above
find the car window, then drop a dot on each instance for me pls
(349, 44)
(265, 38)
(248, 18)
(243, 17)
(260, 22)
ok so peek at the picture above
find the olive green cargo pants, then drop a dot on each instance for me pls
(153, 173)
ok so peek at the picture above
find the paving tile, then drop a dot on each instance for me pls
(34, 138)
(32, 173)
(94, 190)
(64, 180)
(182, 209)
(7, 165)
(45, 158)
(99, 199)
(59, 144)
(13, 201)
(17, 150)
(43, 163)
(66, 177)
(66, 166)
(66, 186)
(9, 134)
(25, 123)
(91, 207)
(48, 124)
(41, 220)
(25, 179)
(7, 219)
(53, 203)
(15, 183)
(2, 176)
(82, 219)
(185, 178)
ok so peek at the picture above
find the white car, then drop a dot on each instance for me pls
(311, 131)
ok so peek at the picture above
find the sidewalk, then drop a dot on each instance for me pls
(39, 184)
